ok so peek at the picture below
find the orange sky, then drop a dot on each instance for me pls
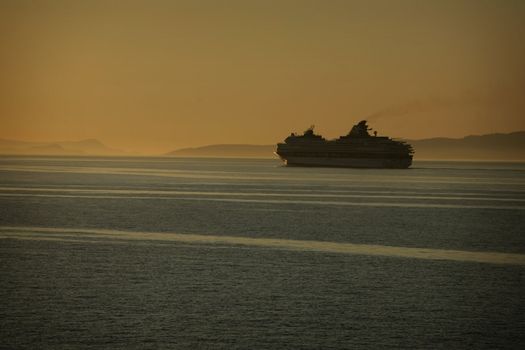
(152, 76)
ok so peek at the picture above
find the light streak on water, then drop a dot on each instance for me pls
(67, 234)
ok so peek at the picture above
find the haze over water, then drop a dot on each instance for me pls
(231, 253)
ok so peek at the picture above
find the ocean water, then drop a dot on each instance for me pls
(141, 253)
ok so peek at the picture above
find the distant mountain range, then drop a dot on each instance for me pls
(483, 147)
(83, 147)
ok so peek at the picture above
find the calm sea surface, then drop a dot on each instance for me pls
(247, 254)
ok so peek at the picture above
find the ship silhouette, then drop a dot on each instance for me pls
(357, 149)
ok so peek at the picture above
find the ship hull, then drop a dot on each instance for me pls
(377, 163)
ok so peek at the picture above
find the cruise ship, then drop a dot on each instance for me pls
(357, 149)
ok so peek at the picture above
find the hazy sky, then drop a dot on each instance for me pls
(152, 76)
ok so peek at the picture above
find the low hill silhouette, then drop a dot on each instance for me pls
(82, 147)
(227, 150)
(490, 147)
(509, 146)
